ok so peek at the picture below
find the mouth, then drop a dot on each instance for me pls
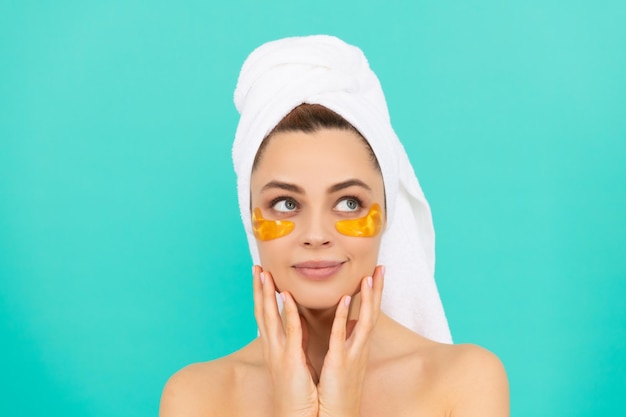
(318, 270)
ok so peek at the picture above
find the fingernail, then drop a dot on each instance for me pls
(262, 275)
(382, 269)
(369, 281)
(282, 296)
(347, 300)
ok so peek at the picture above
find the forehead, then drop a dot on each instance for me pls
(324, 154)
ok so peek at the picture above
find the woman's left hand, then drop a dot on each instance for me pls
(343, 373)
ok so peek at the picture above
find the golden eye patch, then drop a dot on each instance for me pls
(367, 226)
(269, 229)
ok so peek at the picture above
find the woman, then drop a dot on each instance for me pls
(334, 213)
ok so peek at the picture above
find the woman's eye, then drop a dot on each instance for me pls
(285, 206)
(348, 204)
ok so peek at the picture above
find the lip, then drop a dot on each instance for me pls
(318, 270)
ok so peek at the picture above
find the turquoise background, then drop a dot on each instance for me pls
(122, 258)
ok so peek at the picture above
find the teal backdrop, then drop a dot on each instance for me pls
(122, 257)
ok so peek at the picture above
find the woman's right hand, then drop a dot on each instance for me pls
(294, 392)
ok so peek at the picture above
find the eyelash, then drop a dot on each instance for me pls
(277, 200)
(351, 197)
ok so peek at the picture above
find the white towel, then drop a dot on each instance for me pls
(283, 74)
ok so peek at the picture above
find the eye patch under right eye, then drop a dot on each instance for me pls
(269, 229)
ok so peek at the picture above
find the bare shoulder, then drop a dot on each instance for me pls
(182, 392)
(202, 389)
(476, 380)
(436, 378)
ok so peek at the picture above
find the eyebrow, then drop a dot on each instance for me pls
(346, 184)
(332, 189)
(282, 186)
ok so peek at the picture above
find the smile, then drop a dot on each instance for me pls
(318, 270)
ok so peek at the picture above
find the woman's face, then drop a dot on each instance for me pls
(315, 180)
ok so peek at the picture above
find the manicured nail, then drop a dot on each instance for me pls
(347, 300)
(282, 296)
(370, 282)
(262, 275)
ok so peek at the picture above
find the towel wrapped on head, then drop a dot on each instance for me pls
(280, 75)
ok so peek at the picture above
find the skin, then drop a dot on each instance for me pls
(331, 352)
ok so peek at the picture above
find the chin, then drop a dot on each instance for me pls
(312, 303)
(321, 296)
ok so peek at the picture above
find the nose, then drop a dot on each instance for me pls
(316, 231)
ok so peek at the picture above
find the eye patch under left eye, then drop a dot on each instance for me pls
(367, 226)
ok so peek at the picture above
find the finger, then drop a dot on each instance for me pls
(376, 293)
(257, 290)
(338, 330)
(293, 326)
(379, 284)
(367, 313)
(271, 317)
(350, 327)
(305, 345)
(305, 334)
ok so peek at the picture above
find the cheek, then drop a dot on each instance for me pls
(274, 254)
(273, 257)
(365, 253)
(269, 251)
